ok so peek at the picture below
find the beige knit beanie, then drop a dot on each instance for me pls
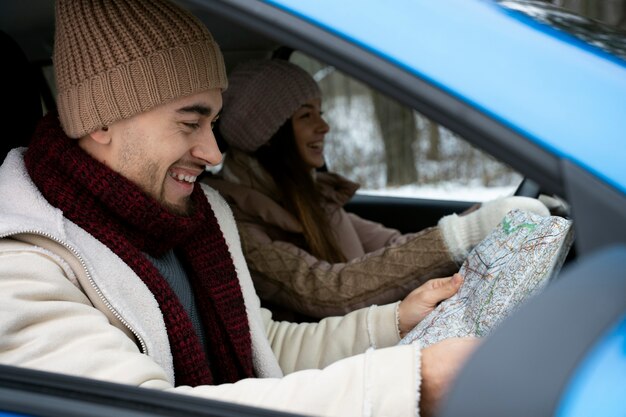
(261, 96)
(117, 58)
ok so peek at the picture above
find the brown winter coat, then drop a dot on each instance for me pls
(383, 265)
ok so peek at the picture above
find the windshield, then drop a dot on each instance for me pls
(611, 39)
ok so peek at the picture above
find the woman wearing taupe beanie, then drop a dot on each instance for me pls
(308, 257)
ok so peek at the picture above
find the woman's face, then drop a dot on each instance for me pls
(309, 129)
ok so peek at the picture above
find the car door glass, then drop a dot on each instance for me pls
(392, 150)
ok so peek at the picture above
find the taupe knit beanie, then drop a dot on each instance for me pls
(114, 59)
(261, 96)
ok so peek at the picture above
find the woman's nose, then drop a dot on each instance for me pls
(323, 127)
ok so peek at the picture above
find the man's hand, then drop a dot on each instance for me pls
(440, 364)
(424, 299)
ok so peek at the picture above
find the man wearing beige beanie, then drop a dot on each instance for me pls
(116, 265)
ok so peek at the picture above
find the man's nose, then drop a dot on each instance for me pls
(207, 150)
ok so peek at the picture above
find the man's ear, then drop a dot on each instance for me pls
(101, 136)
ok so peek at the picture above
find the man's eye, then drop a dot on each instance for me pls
(192, 126)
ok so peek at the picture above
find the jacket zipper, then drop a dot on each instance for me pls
(144, 349)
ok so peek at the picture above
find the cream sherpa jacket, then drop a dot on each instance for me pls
(70, 305)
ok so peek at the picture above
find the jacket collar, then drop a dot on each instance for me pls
(25, 210)
(250, 187)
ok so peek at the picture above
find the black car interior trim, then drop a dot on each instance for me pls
(48, 394)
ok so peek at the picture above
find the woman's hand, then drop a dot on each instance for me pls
(424, 299)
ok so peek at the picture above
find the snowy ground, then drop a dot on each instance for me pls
(445, 191)
(354, 149)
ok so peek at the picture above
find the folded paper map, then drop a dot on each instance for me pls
(514, 261)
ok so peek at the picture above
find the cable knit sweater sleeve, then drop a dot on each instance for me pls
(293, 278)
(372, 235)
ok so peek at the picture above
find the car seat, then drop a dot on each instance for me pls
(22, 108)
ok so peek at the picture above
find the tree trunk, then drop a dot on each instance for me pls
(398, 130)
(433, 141)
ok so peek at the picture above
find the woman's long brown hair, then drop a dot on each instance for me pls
(300, 196)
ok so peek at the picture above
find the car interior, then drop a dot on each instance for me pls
(26, 42)
(25, 107)
(406, 213)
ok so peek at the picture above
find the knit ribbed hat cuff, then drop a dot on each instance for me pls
(262, 96)
(138, 86)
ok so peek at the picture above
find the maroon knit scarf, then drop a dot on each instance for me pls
(129, 222)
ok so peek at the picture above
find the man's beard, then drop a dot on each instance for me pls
(187, 211)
